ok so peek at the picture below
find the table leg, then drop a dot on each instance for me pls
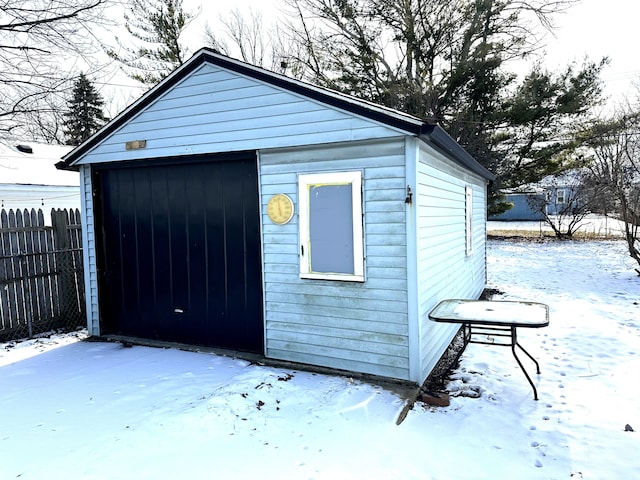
(514, 343)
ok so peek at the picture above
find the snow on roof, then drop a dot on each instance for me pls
(30, 163)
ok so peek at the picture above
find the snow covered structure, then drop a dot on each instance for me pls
(29, 178)
(234, 207)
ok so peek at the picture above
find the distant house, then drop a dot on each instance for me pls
(29, 178)
(553, 195)
(234, 207)
(560, 196)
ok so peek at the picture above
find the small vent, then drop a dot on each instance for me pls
(24, 148)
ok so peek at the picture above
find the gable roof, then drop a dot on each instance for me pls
(428, 132)
(31, 163)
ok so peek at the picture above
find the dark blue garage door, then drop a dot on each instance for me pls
(180, 252)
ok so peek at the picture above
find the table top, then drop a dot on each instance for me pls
(485, 312)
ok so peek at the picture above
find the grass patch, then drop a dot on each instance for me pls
(547, 235)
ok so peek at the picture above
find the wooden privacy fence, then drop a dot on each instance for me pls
(41, 274)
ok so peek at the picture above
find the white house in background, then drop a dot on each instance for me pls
(29, 178)
(234, 207)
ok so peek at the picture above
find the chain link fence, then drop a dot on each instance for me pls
(41, 273)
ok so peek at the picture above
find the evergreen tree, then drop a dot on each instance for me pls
(157, 24)
(448, 62)
(85, 115)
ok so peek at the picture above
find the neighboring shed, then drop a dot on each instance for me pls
(238, 208)
(29, 178)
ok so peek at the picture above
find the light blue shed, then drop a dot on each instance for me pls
(238, 208)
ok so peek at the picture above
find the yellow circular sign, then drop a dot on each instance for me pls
(280, 209)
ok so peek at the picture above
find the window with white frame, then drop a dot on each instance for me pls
(560, 197)
(330, 209)
(468, 213)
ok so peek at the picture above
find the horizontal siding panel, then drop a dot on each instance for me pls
(385, 218)
(281, 258)
(272, 229)
(381, 228)
(396, 184)
(444, 236)
(437, 181)
(450, 201)
(347, 303)
(386, 206)
(377, 322)
(385, 172)
(373, 284)
(380, 240)
(343, 354)
(200, 110)
(394, 283)
(240, 129)
(200, 82)
(306, 288)
(362, 341)
(387, 272)
(320, 165)
(284, 238)
(388, 153)
(385, 194)
(387, 250)
(373, 366)
(281, 268)
(283, 184)
(219, 124)
(281, 249)
(399, 263)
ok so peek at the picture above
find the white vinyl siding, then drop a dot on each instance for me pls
(213, 110)
(89, 252)
(468, 214)
(359, 326)
(450, 203)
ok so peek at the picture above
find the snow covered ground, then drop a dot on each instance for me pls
(92, 410)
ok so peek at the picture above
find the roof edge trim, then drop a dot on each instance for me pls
(444, 142)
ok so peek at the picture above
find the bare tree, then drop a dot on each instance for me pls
(565, 203)
(615, 168)
(246, 36)
(40, 41)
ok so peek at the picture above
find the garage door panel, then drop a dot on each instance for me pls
(161, 249)
(181, 253)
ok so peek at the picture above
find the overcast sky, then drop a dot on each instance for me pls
(599, 28)
(593, 28)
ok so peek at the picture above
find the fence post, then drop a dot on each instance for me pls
(60, 222)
